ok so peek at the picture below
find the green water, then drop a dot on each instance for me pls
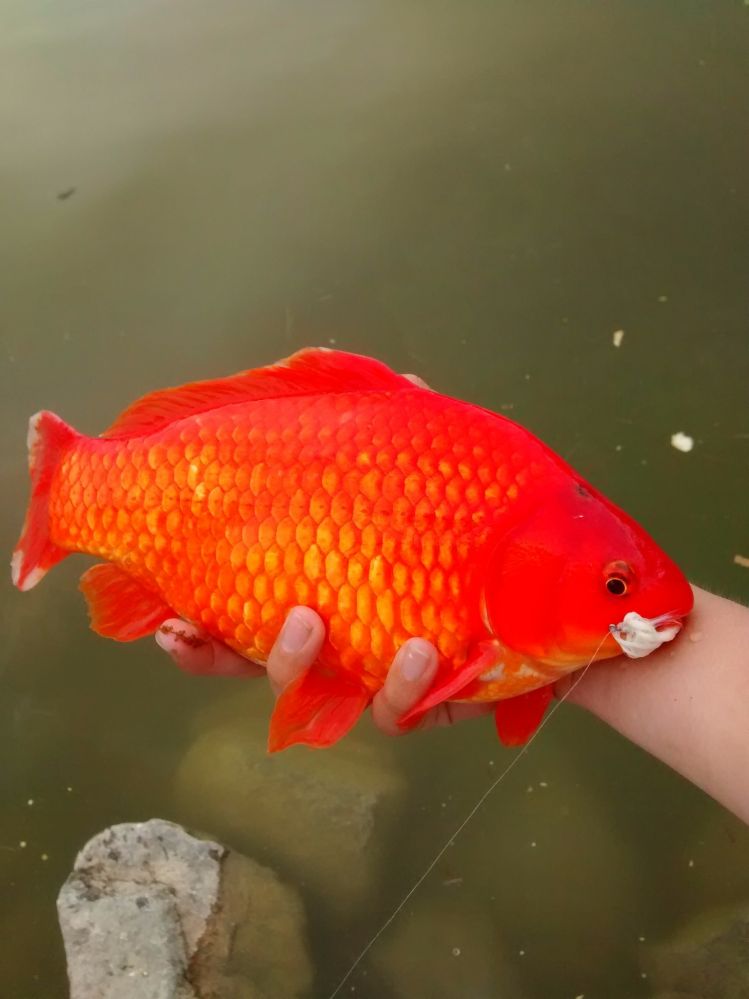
(479, 192)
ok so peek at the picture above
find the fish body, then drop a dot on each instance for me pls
(330, 481)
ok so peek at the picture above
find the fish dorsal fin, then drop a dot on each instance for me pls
(314, 371)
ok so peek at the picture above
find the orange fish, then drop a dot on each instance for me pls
(331, 481)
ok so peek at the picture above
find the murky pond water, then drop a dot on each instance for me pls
(480, 192)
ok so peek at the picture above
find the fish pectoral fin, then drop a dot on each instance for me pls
(518, 717)
(119, 606)
(449, 682)
(317, 709)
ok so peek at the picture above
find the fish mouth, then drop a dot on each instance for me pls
(666, 621)
(638, 636)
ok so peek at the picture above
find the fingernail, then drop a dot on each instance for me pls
(295, 633)
(163, 640)
(414, 661)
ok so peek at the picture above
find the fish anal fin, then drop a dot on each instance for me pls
(449, 682)
(317, 709)
(313, 371)
(517, 718)
(119, 606)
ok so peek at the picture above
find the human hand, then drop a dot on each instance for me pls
(296, 649)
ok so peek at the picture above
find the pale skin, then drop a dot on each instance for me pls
(687, 703)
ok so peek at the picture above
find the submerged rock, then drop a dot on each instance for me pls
(321, 818)
(466, 953)
(707, 959)
(154, 913)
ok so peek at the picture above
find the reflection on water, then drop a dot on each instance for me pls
(482, 193)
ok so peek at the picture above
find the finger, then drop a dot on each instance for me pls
(407, 681)
(196, 652)
(417, 381)
(296, 648)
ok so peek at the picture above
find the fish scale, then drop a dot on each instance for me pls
(369, 513)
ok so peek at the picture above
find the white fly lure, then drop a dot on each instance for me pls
(638, 636)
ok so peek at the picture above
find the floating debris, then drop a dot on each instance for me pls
(741, 560)
(682, 442)
(67, 193)
(617, 337)
(30, 802)
(663, 298)
(456, 951)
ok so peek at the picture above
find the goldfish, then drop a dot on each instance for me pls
(329, 480)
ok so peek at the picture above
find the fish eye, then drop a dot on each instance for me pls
(616, 585)
(618, 576)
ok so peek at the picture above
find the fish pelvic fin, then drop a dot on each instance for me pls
(48, 439)
(518, 717)
(119, 606)
(449, 683)
(317, 709)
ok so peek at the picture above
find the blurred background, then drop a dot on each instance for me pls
(483, 193)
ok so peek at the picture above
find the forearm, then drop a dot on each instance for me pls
(688, 703)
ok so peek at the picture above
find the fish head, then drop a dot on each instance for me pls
(560, 583)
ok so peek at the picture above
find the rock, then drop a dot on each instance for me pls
(154, 913)
(466, 953)
(561, 877)
(321, 818)
(707, 959)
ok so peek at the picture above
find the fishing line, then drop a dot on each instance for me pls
(451, 841)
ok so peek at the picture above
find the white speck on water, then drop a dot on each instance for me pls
(491, 763)
(30, 802)
(521, 953)
(533, 843)
(443, 804)
(22, 844)
(741, 560)
(663, 298)
(69, 789)
(529, 789)
(456, 951)
(527, 377)
(644, 974)
(616, 337)
(641, 939)
(618, 447)
(45, 856)
(332, 340)
(690, 864)
(682, 442)
(542, 783)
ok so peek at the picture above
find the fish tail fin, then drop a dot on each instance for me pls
(35, 553)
